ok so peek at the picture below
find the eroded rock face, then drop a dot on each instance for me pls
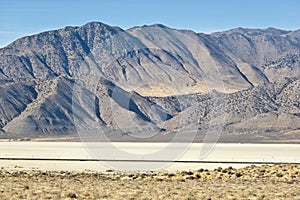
(163, 80)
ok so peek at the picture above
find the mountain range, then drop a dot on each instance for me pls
(152, 82)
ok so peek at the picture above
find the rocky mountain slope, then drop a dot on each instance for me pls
(151, 80)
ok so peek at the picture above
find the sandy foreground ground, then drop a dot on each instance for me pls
(252, 182)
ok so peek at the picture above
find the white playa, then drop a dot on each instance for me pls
(142, 156)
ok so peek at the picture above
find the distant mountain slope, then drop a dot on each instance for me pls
(260, 47)
(150, 77)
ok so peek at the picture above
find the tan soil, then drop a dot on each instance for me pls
(253, 182)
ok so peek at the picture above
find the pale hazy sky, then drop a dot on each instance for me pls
(20, 18)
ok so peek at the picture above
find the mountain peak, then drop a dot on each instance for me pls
(157, 25)
(276, 31)
(94, 25)
(241, 30)
(149, 26)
